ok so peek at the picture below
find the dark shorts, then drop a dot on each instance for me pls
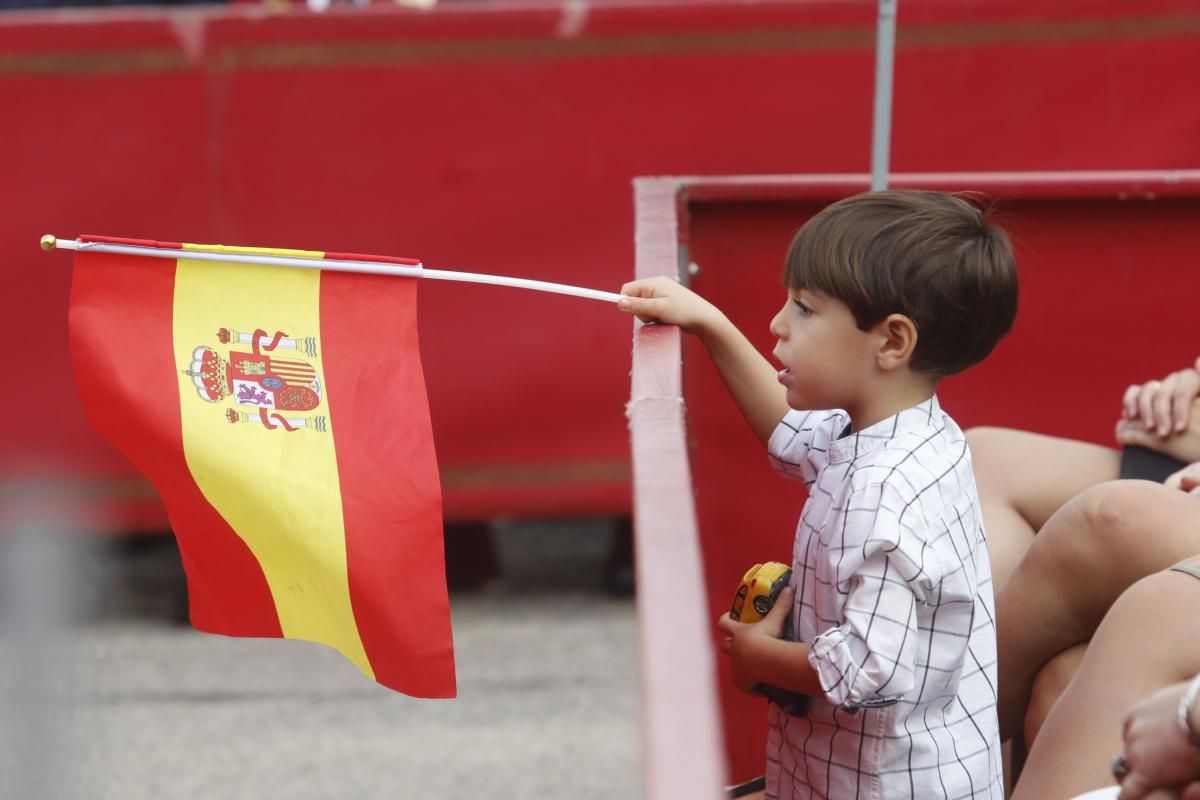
(1148, 465)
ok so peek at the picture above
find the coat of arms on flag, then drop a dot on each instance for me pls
(316, 515)
(267, 382)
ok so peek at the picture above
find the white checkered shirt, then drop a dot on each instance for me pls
(894, 591)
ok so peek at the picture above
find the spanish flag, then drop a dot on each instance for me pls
(281, 414)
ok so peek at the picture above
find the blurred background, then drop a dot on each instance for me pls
(484, 135)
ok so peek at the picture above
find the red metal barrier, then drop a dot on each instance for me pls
(501, 137)
(1109, 276)
(681, 735)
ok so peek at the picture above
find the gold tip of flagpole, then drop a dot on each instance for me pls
(49, 243)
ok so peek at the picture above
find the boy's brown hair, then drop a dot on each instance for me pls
(931, 256)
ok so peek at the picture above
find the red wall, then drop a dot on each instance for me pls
(502, 138)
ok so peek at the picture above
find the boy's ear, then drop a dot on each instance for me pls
(898, 339)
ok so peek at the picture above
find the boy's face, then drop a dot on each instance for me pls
(827, 361)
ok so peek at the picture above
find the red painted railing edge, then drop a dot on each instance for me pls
(1119, 184)
(683, 750)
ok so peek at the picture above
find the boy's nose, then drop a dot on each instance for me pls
(776, 327)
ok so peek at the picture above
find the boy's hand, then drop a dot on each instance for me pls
(665, 300)
(742, 640)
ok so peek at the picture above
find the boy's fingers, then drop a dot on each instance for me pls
(630, 304)
(647, 309)
(782, 605)
(648, 287)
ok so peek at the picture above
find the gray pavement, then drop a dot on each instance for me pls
(130, 707)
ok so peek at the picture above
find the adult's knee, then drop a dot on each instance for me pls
(1111, 514)
(1115, 505)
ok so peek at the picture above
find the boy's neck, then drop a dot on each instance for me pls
(890, 396)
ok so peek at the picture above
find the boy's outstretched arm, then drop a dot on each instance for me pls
(750, 378)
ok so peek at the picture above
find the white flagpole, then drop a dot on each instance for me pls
(881, 133)
(336, 265)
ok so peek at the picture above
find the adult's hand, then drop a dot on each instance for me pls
(1157, 753)
(1163, 407)
(1184, 445)
(1186, 479)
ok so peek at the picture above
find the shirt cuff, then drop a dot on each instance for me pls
(838, 672)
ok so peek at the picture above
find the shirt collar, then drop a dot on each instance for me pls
(856, 444)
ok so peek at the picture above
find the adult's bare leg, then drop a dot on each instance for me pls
(1149, 639)
(1023, 479)
(1093, 548)
(1048, 686)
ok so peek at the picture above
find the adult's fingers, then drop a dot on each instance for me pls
(1145, 403)
(1130, 431)
(1184, 394)
(1189, 478)
(1175, 479)
(1133, 787)
(1160, 404)
(1130, 400)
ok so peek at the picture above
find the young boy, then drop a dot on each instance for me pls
(891, 602)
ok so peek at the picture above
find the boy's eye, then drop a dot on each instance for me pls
(805, 310)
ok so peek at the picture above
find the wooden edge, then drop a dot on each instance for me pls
(684, 754)
(1117, 184)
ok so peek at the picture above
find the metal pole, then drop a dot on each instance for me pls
(881, 128)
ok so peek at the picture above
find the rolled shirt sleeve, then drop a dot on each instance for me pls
(882, 564)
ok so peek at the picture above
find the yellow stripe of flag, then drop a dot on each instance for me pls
(298, 536)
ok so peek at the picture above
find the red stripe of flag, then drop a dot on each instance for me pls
(227, 590)
(380, 419)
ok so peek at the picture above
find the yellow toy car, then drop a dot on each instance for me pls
(758, 591)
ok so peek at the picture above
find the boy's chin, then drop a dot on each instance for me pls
(798, 401)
